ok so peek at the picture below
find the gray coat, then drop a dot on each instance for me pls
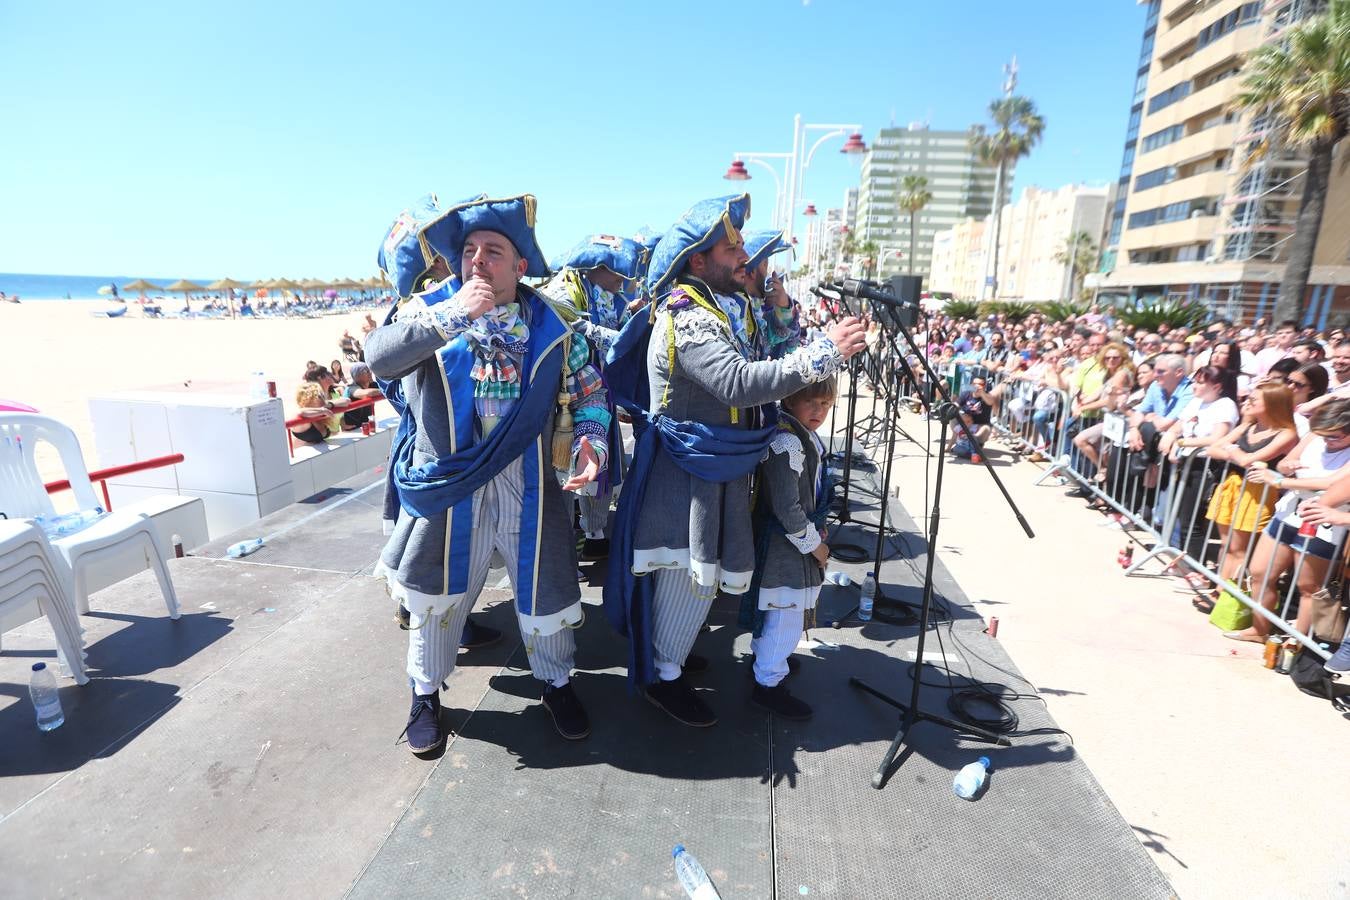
(787, 484)
(684, 518)
(417, 550)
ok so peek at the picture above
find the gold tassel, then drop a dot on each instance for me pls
(563, 430)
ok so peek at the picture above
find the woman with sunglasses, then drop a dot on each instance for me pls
(1240, 508)
(1307, 382)
(1115, 361)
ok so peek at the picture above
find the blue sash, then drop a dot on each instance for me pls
(448, 483)
(712, 453)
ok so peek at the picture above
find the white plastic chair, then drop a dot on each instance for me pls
(23, 495)
(30, 571)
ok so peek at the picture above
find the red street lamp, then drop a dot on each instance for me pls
(810, 210)
(854, 145)
(736, 171)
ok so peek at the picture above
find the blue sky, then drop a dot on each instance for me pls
(260, 139)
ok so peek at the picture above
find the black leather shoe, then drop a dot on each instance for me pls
(594, 549)
(569, 716)
(424, 729)
(695, 664)
(476, 636)
(680, 702)
(1079, 493)
(779, 701)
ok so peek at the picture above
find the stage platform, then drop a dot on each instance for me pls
(249, 749)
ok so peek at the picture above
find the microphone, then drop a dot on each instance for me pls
(867, 290)
(821, 292)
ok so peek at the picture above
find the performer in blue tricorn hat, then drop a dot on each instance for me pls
(591, 281)
(682, 529)
(772, 320)
(412, 266)
(499, 393)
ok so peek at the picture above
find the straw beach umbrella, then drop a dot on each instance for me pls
(185, 287)
(228, 284)
(141, 286)
(285, 284)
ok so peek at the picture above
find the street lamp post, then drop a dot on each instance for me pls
(790, 187)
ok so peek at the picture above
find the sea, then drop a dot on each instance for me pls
(73, 287)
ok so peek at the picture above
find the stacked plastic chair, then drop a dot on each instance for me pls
(31, 572)
(23, 495)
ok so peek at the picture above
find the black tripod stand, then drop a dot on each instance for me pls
(910, 713)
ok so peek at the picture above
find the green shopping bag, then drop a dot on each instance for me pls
(1230, 613)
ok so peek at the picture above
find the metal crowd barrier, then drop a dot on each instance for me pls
(1166, 504)
(1170, 508)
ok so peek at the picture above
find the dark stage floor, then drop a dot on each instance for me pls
(249, 750)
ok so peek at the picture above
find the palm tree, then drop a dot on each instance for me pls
(914, 196)
(868, 251)
(1079, 253)
(1017, 128)
(1303, 80)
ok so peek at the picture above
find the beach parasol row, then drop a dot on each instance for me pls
(183, 286)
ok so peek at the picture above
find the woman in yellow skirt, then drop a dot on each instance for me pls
(1240, 508)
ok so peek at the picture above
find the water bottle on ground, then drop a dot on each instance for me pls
(46, 698)
(971, 778)
(867, 599)
(839, 578)
(243, 548)
(693, 879)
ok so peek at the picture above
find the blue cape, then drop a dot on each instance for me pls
(711, 453)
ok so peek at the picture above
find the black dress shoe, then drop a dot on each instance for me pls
(569, 716)
(695, 664)
(594, 549)
(476, 636)
(680, 702)
(424, 729)
(779, 701)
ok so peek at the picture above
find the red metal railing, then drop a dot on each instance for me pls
(335, 411)
(101, 476)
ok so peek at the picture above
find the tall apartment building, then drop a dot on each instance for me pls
(1192, 220)
(961, 186)
(1032, 232)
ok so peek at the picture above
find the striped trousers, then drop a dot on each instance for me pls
(594, 514)
(435, 631)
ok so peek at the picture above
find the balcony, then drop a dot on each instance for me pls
(1206, 184)
(1235, 44)
(1209, 142)
(1199, 229)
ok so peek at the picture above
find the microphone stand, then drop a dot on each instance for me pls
(844, 514)
(910, 713)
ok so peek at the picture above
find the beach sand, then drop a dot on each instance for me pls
(57, 356)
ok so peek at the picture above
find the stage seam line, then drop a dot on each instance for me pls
(773, 815)
(321, 510)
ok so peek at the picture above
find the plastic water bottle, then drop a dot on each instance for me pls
(243, 548)
(69, 523)
(971, 778)
(839, 578)
(257, 385)
(867, 598)
(46, 698)
(693, 879)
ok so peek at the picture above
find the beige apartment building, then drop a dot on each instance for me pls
(1194, 218)
(1032, 232)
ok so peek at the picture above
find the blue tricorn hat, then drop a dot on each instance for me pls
(702, 226)
(621, 256)
(511, 217)
(404, 255)
(760, 245)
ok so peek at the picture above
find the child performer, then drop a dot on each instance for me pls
(790, 551)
